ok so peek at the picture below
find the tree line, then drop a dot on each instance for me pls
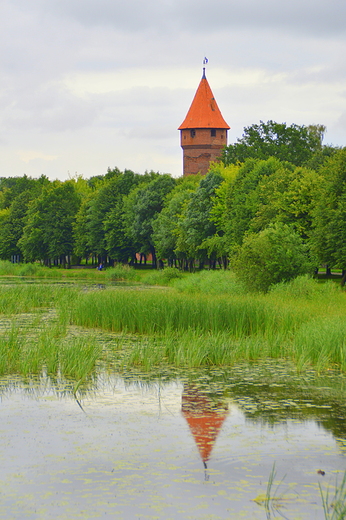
(278, 184)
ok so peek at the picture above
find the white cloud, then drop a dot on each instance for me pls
(31, 155)
(91, 84)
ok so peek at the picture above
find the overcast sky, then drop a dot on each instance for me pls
(91, 84)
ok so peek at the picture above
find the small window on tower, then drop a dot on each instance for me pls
(213, 132)
(193, 133)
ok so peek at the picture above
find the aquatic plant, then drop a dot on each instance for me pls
(303, 321)
(122, 273)
(36, 270)
(210, 282)
(270, 500)
(334, 506)
(40, 343)
(16, 299)
(162, 277)
(155, 312)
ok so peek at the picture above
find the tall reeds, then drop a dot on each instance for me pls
(28, 354)
(334, 505)
(35, 270)
(303, 321)
(166, 312)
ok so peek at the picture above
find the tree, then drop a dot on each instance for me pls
(48, 233)
(11, 228)
(242, 198)
(195, 225)
(274, 255)
(329, 216)
(165, 226)
(295, 144)
(99, 228)
(11, 187)
(287, 196)
(218, 245)
(119, 246)
(141, 208)
(19, 192)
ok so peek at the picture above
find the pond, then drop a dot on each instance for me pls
(177, 444)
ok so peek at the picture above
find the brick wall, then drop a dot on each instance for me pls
(200, 147)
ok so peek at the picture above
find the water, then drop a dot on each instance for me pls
(172, 446)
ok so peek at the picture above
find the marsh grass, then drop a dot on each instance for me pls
(165, 277)
(303, 321)
(334, 504)
(192, 349)
(40, 344)
(323, 342)
(34, 270)
(271, 501)
(157, 312)
(121, 273)
(210, 282)
(17, 299)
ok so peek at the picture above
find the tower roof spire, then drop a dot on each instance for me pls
(204, 112)
(205, 61)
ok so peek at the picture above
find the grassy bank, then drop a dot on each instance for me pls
(35, 270)
(204, 319)
(303, 321)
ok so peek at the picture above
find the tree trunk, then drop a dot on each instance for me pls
(153, 255)
(343, 278)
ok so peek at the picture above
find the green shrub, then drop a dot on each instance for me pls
(274, 255)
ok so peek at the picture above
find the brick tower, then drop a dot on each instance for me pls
(203, 133)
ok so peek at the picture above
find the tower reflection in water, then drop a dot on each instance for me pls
(205, 414)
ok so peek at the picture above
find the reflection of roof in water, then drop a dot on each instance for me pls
(204, 417)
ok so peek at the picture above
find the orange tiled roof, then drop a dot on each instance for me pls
(204, 112)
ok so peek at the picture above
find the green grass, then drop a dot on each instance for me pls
(210, 282)
(303, 321)
(35, 270)
(35, 347)
(16, 299)
(165, 277)
(334, 504)
(166, 312)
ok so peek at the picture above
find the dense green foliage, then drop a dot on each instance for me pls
(295, 144)
(329, 223)
(275, 254)
(275, 177)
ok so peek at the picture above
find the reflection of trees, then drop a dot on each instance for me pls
(274, 404)
(35, 386)
(205, 414)
(269, 397)
(275, 394)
